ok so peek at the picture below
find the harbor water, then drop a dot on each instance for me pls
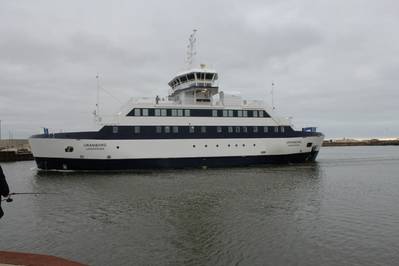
(342, 210)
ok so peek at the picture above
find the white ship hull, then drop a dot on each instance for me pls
(50, 153)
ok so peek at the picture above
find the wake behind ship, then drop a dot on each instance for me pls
(196, 126)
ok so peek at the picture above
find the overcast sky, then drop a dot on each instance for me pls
(335, 63)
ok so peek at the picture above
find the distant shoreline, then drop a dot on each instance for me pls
(354, 142)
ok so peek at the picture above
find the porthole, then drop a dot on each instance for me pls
(254, 144)
(193, 146)
(108, 156)
(217, 145)
(243, 145)
(117, 147)
(228, 145)
(206, 146)
(236, 145)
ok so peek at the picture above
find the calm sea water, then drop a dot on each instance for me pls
(342, 210)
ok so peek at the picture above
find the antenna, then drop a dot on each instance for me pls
(191, 49)
(272, 92)
(97, 111)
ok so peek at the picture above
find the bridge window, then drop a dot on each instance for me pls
(157, 112)
(209, 76)
(183, 79)
(214, 112)
(187, 112)
(180, 112)
(245, 113)
(137, 112)
(190, 76)
(255, 113)
(231, 113)
(224, 113)
(145, 112)
(200, 75)
(174, 112)
(239, 113)
(163, 112)
(261, 113)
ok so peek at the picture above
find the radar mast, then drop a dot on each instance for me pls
(191, 51)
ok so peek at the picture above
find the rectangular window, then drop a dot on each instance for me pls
(163, 112)
(260, 113)
(145, 112)
(167, 129)
(192, 129)
(157, 112)
(219, 129)
(224, 113)
(255, 128)
(214, 112)
(237, 129)
(265, 129)
(275, 129)
(180, 112)
(187, 112)
(230, 129)
(245, 113)
(174, 112)
(203, 129)
(244, 129)
(231, 113)
(136, 129)
(159, 129)
(137, 112)
(282, 129)
(175, 129)
(114, 130)
(239, 113)
(255, 113)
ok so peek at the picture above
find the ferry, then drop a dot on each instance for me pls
(197, 125)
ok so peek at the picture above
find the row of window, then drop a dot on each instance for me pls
(192, 77)
(228, 145)
(197, 112)
(203, 129)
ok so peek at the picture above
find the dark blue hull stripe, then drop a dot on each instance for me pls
(171, 163)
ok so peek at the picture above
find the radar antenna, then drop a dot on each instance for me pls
(191, 52)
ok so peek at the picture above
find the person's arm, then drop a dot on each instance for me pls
(4, 189)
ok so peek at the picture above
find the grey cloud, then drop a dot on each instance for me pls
(333, 62)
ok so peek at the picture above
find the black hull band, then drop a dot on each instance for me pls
(170, 163)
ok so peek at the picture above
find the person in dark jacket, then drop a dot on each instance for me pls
(4, 189)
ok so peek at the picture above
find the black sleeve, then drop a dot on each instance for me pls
(4, 189)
